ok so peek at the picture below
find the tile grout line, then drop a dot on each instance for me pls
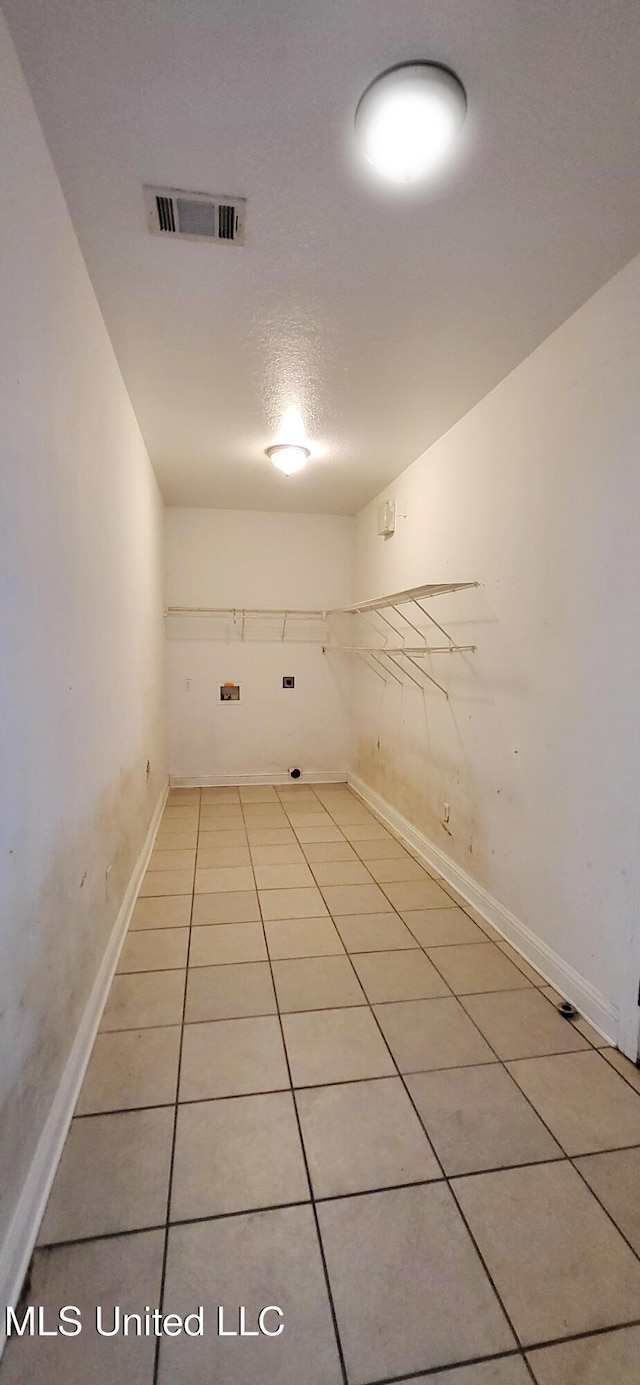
(332, 1307)
(156, 1363)
(590, 1046)
(436, 1156)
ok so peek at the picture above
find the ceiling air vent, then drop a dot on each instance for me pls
(195, 215)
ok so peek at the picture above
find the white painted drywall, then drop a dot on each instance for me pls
(247, 558)
(535, 494)
(82, 636)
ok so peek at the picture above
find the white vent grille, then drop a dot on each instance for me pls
(195, 215)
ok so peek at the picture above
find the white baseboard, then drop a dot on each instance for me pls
(594, 1006)
(218, 781)
(20, 1239)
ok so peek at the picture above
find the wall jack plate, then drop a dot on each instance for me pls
(289, 682)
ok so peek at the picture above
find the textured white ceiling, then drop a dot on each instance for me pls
(381, 318)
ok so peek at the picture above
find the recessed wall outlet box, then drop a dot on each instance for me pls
(288, 682)
(387, 518)
(230, 692)
(445, 812)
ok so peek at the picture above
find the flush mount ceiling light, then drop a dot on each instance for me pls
(408, 119)
(288, 457)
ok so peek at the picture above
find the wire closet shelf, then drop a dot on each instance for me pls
(386, 648)
(398, 650)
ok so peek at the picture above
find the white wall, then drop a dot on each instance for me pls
(536, 494)
(247, 558)
(82, 657)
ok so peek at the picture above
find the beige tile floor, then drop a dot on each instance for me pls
(320, 1083)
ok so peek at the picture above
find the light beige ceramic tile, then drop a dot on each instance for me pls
(624, 1066)
(477, 1119)
(166, 882)
(218, 792)
(211, 858)
(176, 841)
(615, 1179)
(267, 817)
(232, 907)
(327, 833)
(229, 992)
(258, 793)
(219, 841)
(380, 849)
(218, 945)
(302, 938)
(374, 933)
(442, 927)
(582, 1025)
(266, 1257)
(232, 1057)
(304, 903)
(277, 856)
(131, 1068)
(335, 1046)
(214, 824)
(393, 868)
(341, 873)
(417, 894)
(363, 1135)
(510, 952)
(181, 813)
(522, 1024)
(145, 1000)
(365, 832)
(220, 818)
(283, 877)
(558, 1263)
(470, 968)
(162, 859)
(122, 1270)
(166, 911)
(316, 983)
(378, 1244)
(427, 1034)
(113, 1176)
(154, 949)
(355, 899)
(609, 1356)
(584, 1102)
(224, 879)
(271, 836)
(351, 812)
(329, 851)
(258, 1156)
(405, 975)
(502, 1370)
(300, 818)
(184, 796)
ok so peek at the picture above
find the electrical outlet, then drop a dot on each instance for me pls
(446, 812)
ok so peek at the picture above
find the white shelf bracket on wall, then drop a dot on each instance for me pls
(401, 653)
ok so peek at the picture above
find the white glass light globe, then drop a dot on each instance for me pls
(408, 119)
(288, 458)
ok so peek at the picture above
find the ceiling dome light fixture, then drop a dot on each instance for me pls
(288, 457)
(408, 119)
